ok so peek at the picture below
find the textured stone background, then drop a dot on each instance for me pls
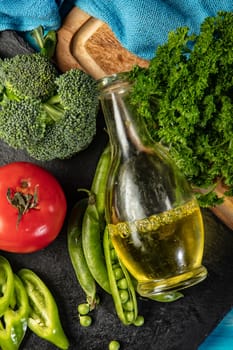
(181, 325)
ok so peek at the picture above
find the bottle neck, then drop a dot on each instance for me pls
(127, 132)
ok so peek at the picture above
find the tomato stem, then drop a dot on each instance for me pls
(22, 201)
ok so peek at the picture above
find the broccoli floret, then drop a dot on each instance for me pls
(73, 109)
(76, 85)
(28, 75)
(22, 122)
(64, 138)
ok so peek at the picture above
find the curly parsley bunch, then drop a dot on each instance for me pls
(186, 98)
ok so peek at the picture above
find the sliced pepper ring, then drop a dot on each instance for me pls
(13, 323)
(43, 318)
(6, 284)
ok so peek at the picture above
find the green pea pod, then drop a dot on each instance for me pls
(43, 318)
(131, 289)
(126, 315)
(75, 249)
(13, 324)
(99, 183)
(94, 223)
(92, 245)
(6, 284)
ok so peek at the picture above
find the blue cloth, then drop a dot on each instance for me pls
(25, 15)
(139, 25)
(222, 336)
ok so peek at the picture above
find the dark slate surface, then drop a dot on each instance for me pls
(181, 325)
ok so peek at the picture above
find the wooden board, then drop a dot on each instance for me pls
(63, 56)
(224, 211)
(89, 44)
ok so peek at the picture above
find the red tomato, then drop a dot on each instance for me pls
(23, 184)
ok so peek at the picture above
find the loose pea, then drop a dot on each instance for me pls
(124, 295)
(122, 283)
(139, 321)
(83, 309)
(85, 320)
(114, 345)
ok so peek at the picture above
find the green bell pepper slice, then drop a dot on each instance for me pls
(13, 323)
(43, 318)
(6, 284)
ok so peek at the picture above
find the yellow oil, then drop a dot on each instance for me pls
(161, 246)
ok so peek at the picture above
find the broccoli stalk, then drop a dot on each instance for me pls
(45, 42)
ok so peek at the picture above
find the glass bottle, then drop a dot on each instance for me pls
(153, 218)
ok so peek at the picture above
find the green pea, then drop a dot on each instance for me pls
(129, 305)
(124, 295)
(83, 309)
(115, 265)
(118, 273)
(113, 255)
(85, 320)
(129, 316)
(114, 345)
(139, 321)
(122, 283)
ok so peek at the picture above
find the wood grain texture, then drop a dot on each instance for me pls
(100, 53)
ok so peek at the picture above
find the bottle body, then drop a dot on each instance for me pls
(163, 252)
(153, 218)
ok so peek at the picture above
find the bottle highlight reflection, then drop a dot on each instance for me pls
(153, 218)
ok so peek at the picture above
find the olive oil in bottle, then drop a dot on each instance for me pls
(153, 218)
